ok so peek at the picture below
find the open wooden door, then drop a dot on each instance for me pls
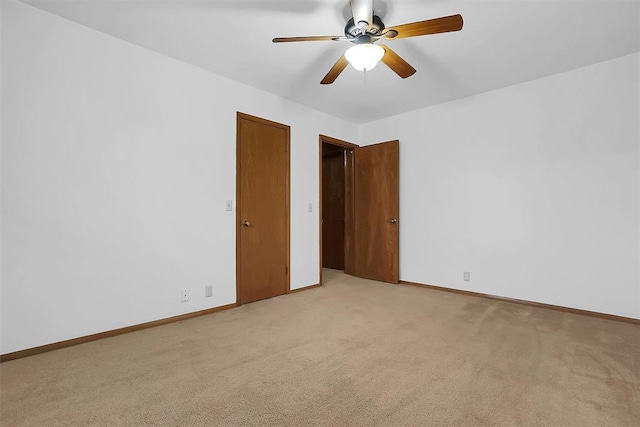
(376, 211)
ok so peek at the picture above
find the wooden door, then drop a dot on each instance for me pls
(376, 211)
(263, 209)
(333, 206)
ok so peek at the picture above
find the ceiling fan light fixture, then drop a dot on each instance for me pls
(364, 56)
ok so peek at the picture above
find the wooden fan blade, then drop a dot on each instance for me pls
(431, 26)
(396, 63)
(335, 71)
(308, 39)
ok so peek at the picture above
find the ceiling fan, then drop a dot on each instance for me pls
(365, 29)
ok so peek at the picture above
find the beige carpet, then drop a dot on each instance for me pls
(354, 352)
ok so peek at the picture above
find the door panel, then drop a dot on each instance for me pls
(376, 211)
(263, 209)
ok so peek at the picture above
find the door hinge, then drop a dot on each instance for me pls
(286, 270)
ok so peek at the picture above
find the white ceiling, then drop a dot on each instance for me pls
(502, 43)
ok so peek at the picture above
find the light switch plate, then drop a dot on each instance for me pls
(229, 205)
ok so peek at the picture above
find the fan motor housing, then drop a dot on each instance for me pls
(352, 31)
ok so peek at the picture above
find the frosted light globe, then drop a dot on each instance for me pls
(364, 56)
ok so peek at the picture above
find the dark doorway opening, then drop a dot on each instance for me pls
(334, 160)
(336, 204)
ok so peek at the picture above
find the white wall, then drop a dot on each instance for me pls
(534, 189)
(116, 165)
(1, 185)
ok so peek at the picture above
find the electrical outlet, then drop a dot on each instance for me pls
(185, 295)
(466, 276)
(208, 291)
